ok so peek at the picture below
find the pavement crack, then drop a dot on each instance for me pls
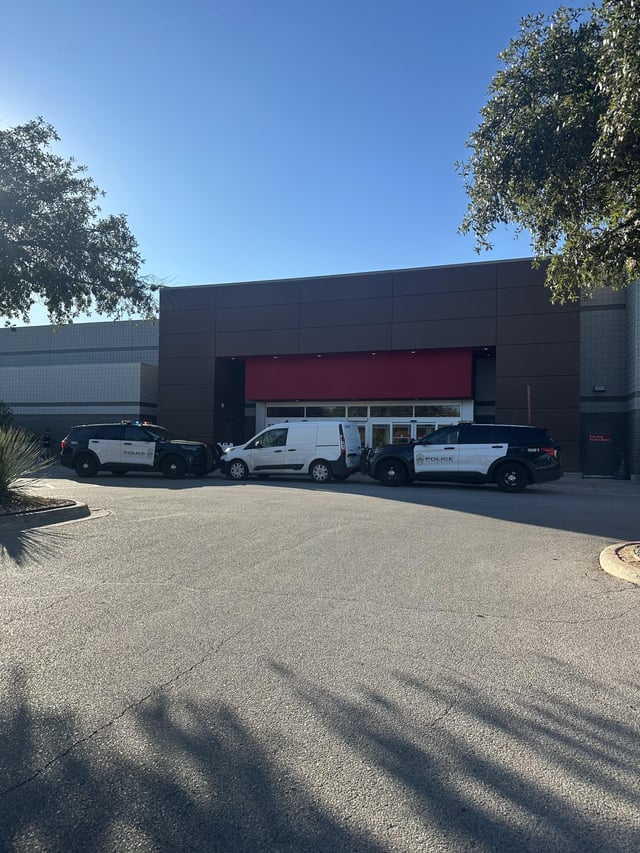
(165, 685)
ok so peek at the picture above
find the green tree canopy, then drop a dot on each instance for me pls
(557, 152)
(55, 248)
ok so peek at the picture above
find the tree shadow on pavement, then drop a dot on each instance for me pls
(19, 547)
(497, 772)
(476, 771)
(176, 776)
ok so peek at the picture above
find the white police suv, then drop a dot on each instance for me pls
(126, 446)
(511, 456)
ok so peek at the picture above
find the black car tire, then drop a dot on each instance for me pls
(511, 477)
(320, 471)
(173, 467)
(237, 470)
(392, 473)
(86, 465)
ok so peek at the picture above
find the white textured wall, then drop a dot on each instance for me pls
(77, 387)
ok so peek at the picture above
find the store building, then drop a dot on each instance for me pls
(400, 352)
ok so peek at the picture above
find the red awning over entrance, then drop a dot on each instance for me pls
(427, 374)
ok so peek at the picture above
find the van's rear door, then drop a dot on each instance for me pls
(353, 447)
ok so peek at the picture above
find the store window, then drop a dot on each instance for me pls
(439, 410)
(391, 411)
(325, 411)
(357, 411)
(401, 433)
(285, 411)
(380, 435)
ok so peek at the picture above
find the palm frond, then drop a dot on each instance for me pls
(20, 457)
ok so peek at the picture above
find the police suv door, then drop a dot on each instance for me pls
(480, 447)
(108, 446)
(438, 453)
(138, 447)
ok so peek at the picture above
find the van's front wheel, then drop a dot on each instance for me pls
(237, 470)
(320, 471)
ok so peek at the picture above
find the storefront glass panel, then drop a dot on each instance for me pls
(439, 410)
(392, 411)
(325, 411)
(401, 433)
(380, 434)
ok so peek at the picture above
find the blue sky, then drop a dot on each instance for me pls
(258, 139)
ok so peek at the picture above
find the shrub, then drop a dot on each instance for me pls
(6, 415)
(20, 456)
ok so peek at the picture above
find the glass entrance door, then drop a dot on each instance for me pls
(380, 434)
(401, 433)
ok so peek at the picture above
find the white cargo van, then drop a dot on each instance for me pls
(322, 449)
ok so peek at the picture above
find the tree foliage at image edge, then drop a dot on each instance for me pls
(55, 249)
(557, 152)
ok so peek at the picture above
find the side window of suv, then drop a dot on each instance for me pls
(446, 435)
(136, 433)
(479, 435)
(108, 432)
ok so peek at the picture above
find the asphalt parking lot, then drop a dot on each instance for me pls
(278, 665)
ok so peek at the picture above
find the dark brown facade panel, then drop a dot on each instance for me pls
(439, 334)
(191, 398)
(519, 274)
(186, 371)
(190, 424)
(258, 293)
(252, 317)
(538, 329)
(444, 306)
(346, 338)
(530, 300)
(273, 342)
(547, 392)
(534, 360)
(345, 313)
(444, 279)
(177, 322)
(347, 287)
(186, 299)
(187, 345)
(563, 426)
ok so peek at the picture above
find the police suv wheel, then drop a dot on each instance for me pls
(392, 473)
(86, 466)
(320, 471)
(237, 470)
(173, 467)
(511, 478)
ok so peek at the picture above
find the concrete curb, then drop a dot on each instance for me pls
(612, 561)
(42, 517)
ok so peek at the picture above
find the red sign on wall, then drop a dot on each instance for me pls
(599, 437)
(361, 376)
